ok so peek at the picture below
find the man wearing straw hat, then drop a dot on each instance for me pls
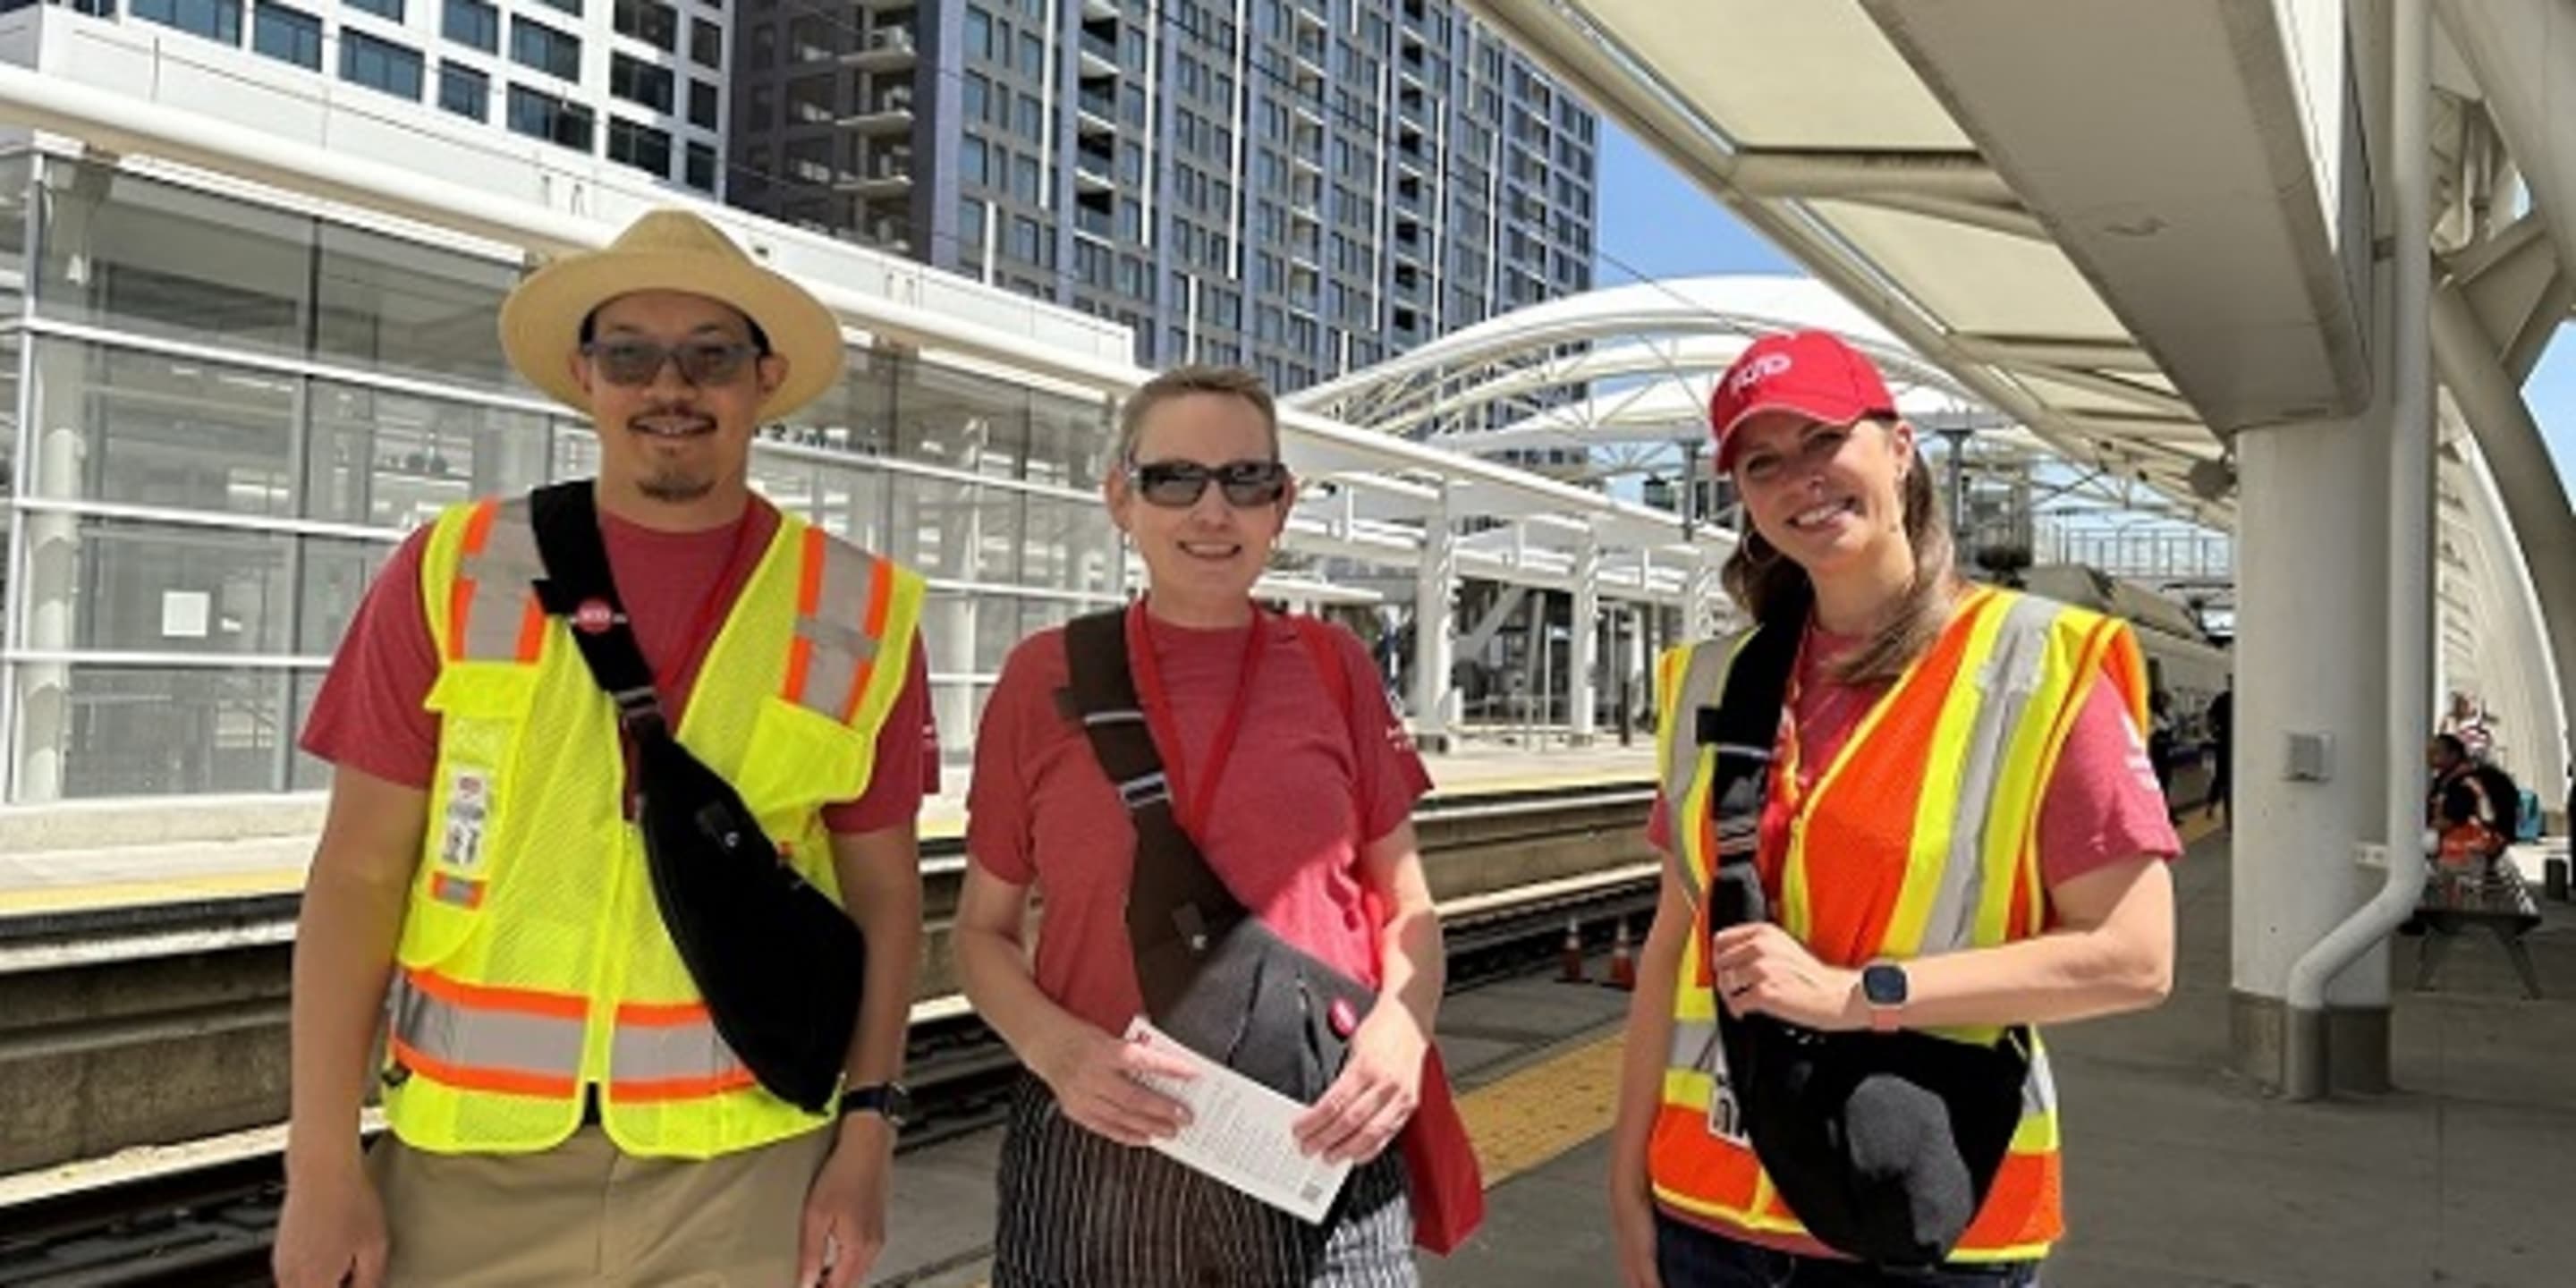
(564, 1105)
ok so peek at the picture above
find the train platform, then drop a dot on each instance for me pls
(84, 858)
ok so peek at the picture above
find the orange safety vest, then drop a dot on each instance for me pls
(1920, 837)
(533, 961)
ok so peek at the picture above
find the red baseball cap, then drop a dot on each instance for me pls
(1812, 373)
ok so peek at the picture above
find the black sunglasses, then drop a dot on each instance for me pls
(639, 362)
(1177, 485)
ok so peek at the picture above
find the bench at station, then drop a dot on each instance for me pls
(2499, 900)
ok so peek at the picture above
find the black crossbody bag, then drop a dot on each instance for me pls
(780, 964)
(1213, 975)
(1883, 1144)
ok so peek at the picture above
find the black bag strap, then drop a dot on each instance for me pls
(1744, 727)
(566, 519)
(1173, 893)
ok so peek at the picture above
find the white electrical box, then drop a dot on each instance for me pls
(2311, 757)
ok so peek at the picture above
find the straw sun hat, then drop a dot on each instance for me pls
(668, 250)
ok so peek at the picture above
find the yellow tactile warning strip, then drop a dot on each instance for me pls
(1523, 1121)
(118, 894)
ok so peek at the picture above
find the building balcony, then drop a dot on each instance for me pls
(890, 113)
(1099, 57)
(884, 49)
(886, 175)
(1095, 111)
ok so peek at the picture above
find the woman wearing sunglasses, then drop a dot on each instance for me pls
(1305, 817)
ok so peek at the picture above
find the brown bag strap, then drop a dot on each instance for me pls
(1173, 895)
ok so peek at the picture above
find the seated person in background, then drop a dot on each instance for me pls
(2472, 807)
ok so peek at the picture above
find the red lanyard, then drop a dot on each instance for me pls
(1191, 812)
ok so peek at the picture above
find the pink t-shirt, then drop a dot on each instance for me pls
(1283, 828)
(368, 715)
(2102, 803)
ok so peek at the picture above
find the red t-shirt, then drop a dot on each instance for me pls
(2102, 803)
(1283, 827)
(368, 715)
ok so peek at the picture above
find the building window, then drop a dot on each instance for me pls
(534, 44)
(464, 91)
(287, 35)
(212, 19)
(706, 43)
(702, 167)
(572, 7)
(379, 64)
(641, 146)
(543, 116)
(473, 23)
(638, 81)
(650, 21)
(390, 10)
(971, 157)
(702, 104)
(979, 34)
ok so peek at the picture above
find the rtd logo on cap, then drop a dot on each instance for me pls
(1811, 373)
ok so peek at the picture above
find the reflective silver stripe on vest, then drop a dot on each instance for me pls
(2004, 686)
(501, 572)
(837, 630)
(483, 1039)
(665, 1052)
(1703, 684)
(1695, 1046)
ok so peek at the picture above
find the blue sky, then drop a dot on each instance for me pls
(1654, 224)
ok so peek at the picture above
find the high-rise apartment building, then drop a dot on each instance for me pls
(1301, 186)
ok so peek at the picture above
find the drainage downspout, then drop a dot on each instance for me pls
(2410, 563)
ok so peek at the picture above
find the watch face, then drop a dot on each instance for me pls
(1883, 985)
(898, 1105)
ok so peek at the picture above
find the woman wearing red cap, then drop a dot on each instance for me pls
(1908, 819)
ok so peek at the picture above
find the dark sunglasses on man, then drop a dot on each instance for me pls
(1177, 485)
(639, 362)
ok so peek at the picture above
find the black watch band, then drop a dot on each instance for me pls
(891, 1101)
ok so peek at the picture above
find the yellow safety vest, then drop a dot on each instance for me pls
(533, 962)
(1920, 837)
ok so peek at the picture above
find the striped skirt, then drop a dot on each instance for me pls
(1079, 1210)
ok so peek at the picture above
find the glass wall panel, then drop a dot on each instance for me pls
(1070, 442)
(956, 531)
(166, 431)
(140, 731)
(127, 251)
(336, 576)
(1068, 545)
(393, 305)
(162, 588)
(16, 172)
(306, 773)
(394, 460)
(961, 421)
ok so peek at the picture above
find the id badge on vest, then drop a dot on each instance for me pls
(469, 802)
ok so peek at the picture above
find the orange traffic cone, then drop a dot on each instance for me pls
(1570, 961)
(1623, 963)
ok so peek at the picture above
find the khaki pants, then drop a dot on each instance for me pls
(583, 1213)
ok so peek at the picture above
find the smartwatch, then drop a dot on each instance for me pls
(1883, 985)
(887, 1100)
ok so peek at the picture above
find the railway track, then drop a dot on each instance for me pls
(211, 1223)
